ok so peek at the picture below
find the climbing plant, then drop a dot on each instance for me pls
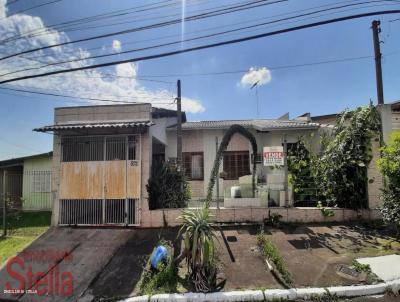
(341, 170)
(389, 165)
(301, 175)
(218, 158)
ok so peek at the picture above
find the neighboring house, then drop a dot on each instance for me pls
(28, 181)
(103, 154)
(102, 160)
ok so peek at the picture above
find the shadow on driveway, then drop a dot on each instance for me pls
(102, 262)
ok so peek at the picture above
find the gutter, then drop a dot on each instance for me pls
(273, 294)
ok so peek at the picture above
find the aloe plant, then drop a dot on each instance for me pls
(199, 248)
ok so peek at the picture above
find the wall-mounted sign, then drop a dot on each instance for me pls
(273, 156)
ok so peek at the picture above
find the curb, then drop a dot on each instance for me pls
(272, 294)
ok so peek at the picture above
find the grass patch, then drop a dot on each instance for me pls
(271, 252)
(361, 268)
(164, 280)
(22, 231)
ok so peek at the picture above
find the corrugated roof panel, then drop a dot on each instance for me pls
(71, 126)
(261, 125)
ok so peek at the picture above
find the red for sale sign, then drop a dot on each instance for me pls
(273, 156)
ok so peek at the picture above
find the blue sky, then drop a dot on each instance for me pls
(319, 89)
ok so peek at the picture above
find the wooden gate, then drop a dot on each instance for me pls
(100, 180)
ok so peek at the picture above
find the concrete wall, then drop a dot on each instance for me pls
(55, 179)
(395, 120)
(103, 113)
(159, 218)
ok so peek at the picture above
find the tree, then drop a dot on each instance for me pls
(389, 165)
(220, 153)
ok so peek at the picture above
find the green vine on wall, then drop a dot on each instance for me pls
(389, 165)
(339, 172)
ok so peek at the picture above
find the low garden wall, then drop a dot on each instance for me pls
(169, 217)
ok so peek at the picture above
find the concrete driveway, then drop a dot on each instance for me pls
(78, 264)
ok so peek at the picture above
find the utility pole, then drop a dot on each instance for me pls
(179, 126)
(376, 29)
(217, 184)
(285, 169)
(4, 203)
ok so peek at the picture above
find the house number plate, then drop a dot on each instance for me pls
(134, 163)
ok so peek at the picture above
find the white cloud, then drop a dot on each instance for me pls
(96, 83)
(116, 46)
(3, 8)
(261, 76)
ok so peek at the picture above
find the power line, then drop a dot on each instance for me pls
(218, 44)
(31, 8)
(69, 27)
(79, 97)
(49, 29)
(152, 26)
(219, 27)
(188, 40)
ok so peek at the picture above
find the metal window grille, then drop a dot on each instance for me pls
(82, 148)
(98, 148)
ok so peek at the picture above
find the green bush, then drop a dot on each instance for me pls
(167, 187)
(389, 164)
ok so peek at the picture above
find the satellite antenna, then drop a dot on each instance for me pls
(256, 86)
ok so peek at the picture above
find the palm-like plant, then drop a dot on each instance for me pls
(199, 248)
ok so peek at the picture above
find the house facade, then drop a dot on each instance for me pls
(102, 158)
(200, 141)
(28, 181)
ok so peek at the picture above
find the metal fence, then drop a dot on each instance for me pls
(98, 211)
(11, 190)
(28, 191)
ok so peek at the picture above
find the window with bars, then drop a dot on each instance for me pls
(236, 164)
(99, 148)
(193, 163)
(41, 181)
